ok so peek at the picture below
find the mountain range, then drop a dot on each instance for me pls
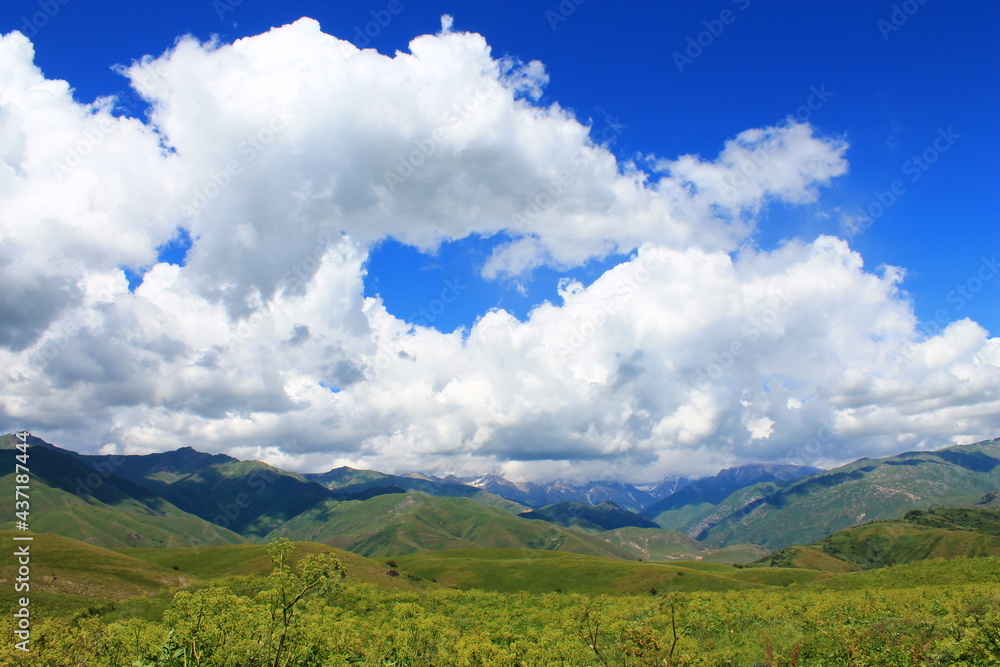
(536, 495)
(806, 509)
(190, 498)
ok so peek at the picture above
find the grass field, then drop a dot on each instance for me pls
(499, 607)
(532, 571)
(247, 559)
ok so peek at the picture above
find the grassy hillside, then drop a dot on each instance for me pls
(929, 613)
(951, 533)
(395, 524)
(805, 510)
(251, 497)
(881, 544)
(68, 574)
(978, 519)
(345, 476)
(806, 558)
(253, 559)
(939, 573)
(658, 544)
(533, 571)
(655, 543)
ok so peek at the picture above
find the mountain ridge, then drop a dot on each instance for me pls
(254, 499)
(804, 510)
(607, 515)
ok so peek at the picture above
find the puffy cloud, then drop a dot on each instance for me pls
(81, 192)
(287, 155)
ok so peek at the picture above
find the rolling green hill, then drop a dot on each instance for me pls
(533, 571)
(394, 524)
(806, 558)
(655, 543)
(941, 573)
(802, 511)
(881, 544)
(659, 544)
(345, 476)
(68, 574)
(253, 498)
(253, 559)
(977, 519)
(951, 533)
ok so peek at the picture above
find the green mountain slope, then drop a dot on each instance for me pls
(718, 487)
(658, 544)
(157, 471)
(802, 511)
(345, 476)
(389, 525)
(251, 497)
(248, 497)
(606, 516)
(350, 480)
(74, 500)
(806, 558)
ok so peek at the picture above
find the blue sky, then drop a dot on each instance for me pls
(891, 87)
(663, 311)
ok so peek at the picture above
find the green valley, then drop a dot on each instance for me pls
(394, 524)
(360, 568)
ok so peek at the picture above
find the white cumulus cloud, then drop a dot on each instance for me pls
(286, 156)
